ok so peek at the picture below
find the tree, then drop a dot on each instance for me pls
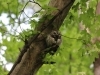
(77, 51)
(97, 60)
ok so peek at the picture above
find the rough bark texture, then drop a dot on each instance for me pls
(31, 57)
(97, 60)
(97, 66)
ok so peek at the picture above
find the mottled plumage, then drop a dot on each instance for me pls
(53, 41)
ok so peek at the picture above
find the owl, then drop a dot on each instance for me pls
(53, 41)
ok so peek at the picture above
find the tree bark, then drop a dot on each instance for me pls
(31, 57)
(97, 66)
(97, 60)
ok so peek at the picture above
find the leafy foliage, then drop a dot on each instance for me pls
(77, 51)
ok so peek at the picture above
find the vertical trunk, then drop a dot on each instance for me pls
(97, 60)
(97, 66)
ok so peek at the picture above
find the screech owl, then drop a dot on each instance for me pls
(53, 41)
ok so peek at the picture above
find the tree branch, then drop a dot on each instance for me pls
(32, 54)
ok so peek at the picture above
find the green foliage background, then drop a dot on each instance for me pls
(76, 53)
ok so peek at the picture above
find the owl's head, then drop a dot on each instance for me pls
(55, 34)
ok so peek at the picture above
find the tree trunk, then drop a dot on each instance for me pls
(97, 60)
(97, 66)
(31, 57)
